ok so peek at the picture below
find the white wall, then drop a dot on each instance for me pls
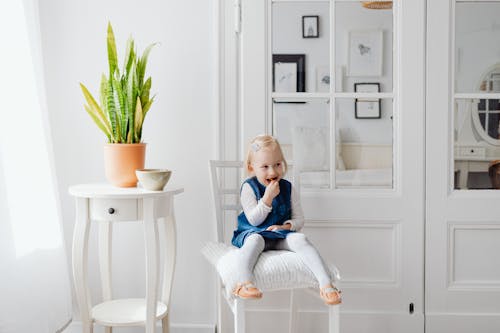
(178, 129)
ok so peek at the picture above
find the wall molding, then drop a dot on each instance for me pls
(393, 225)
(76, 327)
(437, 322)
(472, 285)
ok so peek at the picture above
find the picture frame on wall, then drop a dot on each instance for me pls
(365, 56)
(310, 26)
(289, 73)
(367, 108)
(323, 78)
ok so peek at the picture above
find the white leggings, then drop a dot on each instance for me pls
(296, 242)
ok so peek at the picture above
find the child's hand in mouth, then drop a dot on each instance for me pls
(270, 180)
(272, 190)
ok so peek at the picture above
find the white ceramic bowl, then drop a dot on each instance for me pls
(153, 179)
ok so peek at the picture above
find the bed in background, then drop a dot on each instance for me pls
(358, 165)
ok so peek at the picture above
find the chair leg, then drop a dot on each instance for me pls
(220, 315)
(333, 319)
(292, 326)
(239, 315)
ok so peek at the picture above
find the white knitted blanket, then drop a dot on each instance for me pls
(275, 270)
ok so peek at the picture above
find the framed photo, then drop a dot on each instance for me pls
(367, 108)
(365, 53)
(367, 87)
(323, 78)
(289, 73)
(310, 26)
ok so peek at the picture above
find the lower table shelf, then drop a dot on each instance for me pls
(125, 312)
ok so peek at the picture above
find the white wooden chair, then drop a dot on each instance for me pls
(269, 262)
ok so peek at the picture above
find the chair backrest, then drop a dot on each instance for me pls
(226, 177)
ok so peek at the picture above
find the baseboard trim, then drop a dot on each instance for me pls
(462, 322)
(76, 327)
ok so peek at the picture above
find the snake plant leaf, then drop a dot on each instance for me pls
(146, 107)
(110, 106)
(129, 55)
(112, 55)
(131, 95)
(141, 64)
(131, 91)
(121, 109)
(139, 118)
(94, 106)
(145, 91)
(103, 94)
(97, 121)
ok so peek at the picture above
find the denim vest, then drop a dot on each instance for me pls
(280, 213)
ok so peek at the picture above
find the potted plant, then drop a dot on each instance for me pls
(124, 103)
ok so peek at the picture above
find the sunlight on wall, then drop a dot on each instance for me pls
(28, 177)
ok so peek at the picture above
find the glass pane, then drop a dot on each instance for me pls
(364, 143)
(300, 46)
(303, 129)
(477, 47)
(476, 144)
(363, 46)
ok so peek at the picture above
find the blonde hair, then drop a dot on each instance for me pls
(264, 142)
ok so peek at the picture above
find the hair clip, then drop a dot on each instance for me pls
(255, 147)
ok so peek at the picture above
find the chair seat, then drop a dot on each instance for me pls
(275, 270)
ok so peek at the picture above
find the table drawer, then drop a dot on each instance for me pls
(473, 152)
(113, 209)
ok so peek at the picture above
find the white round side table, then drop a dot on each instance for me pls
(105, 204)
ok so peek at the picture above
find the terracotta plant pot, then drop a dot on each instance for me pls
(120, 162)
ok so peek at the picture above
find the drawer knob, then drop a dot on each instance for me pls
(111, 210)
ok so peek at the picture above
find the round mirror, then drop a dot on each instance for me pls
(486, 115)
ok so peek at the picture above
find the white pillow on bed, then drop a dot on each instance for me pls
(275, 270)
(311, 148)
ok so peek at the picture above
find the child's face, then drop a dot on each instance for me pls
(267, 165)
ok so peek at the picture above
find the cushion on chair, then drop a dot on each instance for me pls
(275, 270)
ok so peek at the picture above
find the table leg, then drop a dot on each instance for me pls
(169, 239)
(80, 262)
(152, 262)
(463, 175)
(105, 241)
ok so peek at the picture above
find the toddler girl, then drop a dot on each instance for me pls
(271, 217)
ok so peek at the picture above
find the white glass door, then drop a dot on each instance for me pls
(341, 85)
(463, 149)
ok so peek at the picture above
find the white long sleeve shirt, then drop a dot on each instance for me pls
(256, 212)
